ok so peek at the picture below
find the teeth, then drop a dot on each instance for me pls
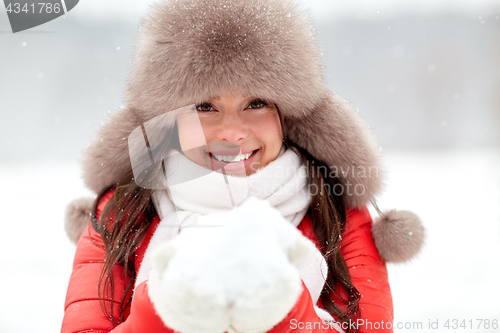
(232, 158)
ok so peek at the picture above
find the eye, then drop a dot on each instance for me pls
(256, 104)
(204, 107)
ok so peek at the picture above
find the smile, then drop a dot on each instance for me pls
(232, 158)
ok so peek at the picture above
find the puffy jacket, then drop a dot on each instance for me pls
(368, 272)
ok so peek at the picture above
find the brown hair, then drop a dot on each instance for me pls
(328, 216)
(128, 215)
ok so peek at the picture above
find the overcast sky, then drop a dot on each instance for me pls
(320, 9)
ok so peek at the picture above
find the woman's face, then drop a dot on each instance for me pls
(239, 134)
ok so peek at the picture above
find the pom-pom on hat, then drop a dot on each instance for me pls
(398, 234)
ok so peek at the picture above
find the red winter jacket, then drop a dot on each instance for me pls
(368, 273)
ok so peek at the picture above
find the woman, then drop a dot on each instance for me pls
(237, 88)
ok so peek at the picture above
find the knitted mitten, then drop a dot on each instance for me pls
(233, 271)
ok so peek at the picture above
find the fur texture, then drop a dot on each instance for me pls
(192, 50)
(189, 51)
(106, 158)
(77, 217)
(335, 134)
(398, 235)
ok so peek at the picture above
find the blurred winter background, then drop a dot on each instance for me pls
(424, 73)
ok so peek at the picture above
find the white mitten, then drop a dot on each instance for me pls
(234, 271)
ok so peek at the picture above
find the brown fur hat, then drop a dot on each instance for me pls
(190, 51)
(193, 50)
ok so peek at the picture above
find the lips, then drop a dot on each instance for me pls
(237, 165)
(231, 158)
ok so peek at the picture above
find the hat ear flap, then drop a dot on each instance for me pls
(106, 157)
(335, 134)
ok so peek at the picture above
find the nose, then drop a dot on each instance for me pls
(232, 127)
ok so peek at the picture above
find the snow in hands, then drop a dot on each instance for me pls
(237, 277)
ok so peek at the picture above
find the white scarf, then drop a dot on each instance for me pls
(282, 183)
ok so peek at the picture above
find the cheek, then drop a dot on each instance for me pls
(190, 132)
(269, 132)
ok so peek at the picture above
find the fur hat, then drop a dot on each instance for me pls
(192, 50)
